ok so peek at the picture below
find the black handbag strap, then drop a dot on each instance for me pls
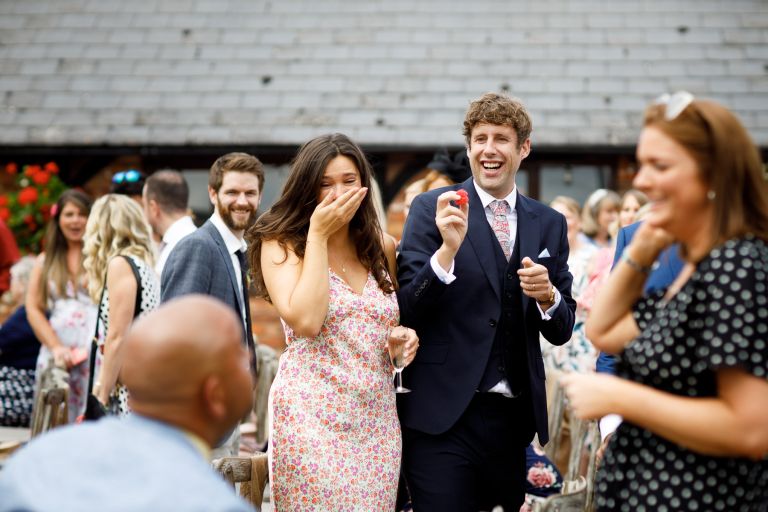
(137, 305)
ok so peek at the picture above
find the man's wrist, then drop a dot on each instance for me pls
(550, 301)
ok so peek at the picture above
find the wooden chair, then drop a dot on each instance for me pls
(572, 499)
(251, 473)
(556, 414)
(578, 489)
(51, 409)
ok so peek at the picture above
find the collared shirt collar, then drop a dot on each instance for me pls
(233, 243)
(200, 445)
(486, 198)
(180, 228)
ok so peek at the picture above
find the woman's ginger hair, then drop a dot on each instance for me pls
(729, 164)
(116, 227)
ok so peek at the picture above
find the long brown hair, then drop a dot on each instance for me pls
(729, 163)
(287, 221)
(55, 270)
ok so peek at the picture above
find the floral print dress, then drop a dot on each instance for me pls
(335, 442)
(73, 319)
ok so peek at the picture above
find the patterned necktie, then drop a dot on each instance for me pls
(500, 226)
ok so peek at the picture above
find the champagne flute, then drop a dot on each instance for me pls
(396, 353)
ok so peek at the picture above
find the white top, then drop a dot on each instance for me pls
(173, 235)
(233, 244)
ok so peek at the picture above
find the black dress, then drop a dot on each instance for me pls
(719, 319)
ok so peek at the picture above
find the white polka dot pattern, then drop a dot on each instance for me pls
(719, 319)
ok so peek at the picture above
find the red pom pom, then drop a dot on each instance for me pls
(464, 199)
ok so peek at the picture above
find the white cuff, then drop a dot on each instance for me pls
(609, 424)
(546, 315)
(442, 275)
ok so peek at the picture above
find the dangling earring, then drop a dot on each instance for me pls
(711, 195)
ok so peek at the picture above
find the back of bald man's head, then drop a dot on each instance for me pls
(170, 352)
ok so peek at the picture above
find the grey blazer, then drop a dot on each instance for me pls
(200, 263)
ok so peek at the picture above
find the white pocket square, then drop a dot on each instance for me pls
(544, 253)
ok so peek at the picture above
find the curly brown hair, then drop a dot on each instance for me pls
(287, 221)
(494, 108)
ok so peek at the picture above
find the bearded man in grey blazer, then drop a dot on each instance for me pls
(211, 261)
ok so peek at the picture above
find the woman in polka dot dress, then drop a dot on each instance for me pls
(692, 380)
(319, 255)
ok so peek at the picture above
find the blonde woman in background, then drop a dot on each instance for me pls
(121, 279)
(601, 209)
(59, 310)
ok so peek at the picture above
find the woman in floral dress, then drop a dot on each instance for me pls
(57, 286)
(122, 280)
(320, 257)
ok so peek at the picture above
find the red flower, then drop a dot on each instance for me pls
(541, 476)
(27, 196)
(5, 213)
(52, 168)
(11, 168)
(29, 219)
(3, 200)
(41, 178)
(31, 170)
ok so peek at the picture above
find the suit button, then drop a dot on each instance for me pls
(509, 295)
(508, 314)
(510, 275)
(501, 368)
(492, 323)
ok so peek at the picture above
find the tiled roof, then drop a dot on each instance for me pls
(386, 72)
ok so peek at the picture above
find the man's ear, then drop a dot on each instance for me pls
(214, 399)
(154, 208)
(525, 149)
(212, 196)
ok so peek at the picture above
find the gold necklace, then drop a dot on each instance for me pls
(342, 264)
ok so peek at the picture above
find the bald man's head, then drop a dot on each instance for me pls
(185, 364)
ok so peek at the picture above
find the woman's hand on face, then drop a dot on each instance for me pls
(648, 243)
(332, 213)
(590, 396)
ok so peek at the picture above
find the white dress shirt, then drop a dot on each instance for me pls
(173, 235)
(233, 244)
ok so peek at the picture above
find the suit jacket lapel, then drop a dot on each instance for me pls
(528, 232)
(482, 238)
(226, 257)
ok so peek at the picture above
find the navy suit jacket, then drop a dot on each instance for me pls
(457, 323)
(664, 273)
(200, 263)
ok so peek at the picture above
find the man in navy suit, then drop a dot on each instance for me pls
(478, 283)
(211, 261)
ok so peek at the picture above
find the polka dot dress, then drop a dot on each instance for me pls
(150, 298)
(719, 319)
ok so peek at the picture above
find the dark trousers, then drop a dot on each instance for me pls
(477, 464)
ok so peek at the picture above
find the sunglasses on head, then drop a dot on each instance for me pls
(674, 104)
(129, 176)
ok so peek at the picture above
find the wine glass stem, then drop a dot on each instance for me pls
(399, 379)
